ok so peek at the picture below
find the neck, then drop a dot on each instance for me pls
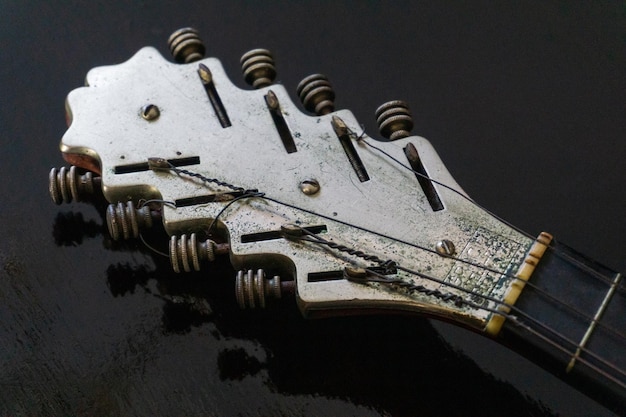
(571, 321)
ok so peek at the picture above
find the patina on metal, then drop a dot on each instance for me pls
(385, 214)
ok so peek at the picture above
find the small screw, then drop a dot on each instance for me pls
(445, 247)
(310, 186)
(150, 112)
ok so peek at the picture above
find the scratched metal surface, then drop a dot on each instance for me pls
(525, 106)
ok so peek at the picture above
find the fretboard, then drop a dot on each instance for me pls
(571, 320)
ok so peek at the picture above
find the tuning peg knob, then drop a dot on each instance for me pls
(316, 94)
(125, 221)
(186, 252)
(258, 68)
(252, 288)
(394, 120)
(186, 46)
(66, 185)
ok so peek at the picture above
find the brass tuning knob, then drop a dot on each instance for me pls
(186, 252)
(66, 185)
(124, 221)
(394, 120)
(258, 68)
(252, 288)
(316, 94)
(186, 46)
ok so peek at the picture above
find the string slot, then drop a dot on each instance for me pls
(208, 198)
(209, 86)
(345, 136)
(279, 121)
(278, 234)
(341, 274)
(145, 166)
(424, 180)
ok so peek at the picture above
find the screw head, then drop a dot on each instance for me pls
(150, 112)
(310, 186)
(445, 247)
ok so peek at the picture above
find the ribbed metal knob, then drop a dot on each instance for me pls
(186, 46)
(252, 289)
(66, 185)
(258, 68)
(125, 221)
(394, 120)
(186, 252)
(316, 94)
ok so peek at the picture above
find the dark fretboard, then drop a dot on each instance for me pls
(589, 351)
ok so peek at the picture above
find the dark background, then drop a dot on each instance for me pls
(524, 102)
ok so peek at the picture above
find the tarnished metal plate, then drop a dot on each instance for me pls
(387, 216)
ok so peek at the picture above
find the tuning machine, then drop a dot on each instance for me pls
(67, 184)
(316, 94)
(258, 68)
(252, 288)
(186, 252)
(125, 221)
(186, 46)
(394, 120)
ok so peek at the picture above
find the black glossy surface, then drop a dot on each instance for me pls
(525, 105)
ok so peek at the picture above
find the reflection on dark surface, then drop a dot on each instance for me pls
(393, 364)
(512, 96)
(123, 279)
(70, 228)
(237, 364)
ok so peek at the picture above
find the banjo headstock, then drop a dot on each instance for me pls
(297, 200)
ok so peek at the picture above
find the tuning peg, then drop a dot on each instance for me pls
(252, 289)
(188, 251)
(125, 221)
(186, 46)
(316, 94)
(394, 120)
(66, 185)
(258, 68)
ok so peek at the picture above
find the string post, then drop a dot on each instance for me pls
(158, 164)
(352, 273)
(291, 230)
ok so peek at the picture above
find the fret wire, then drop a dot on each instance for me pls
(564, 349)
(531, 319)
(574, 261)
(547, 328)
(592, 325)
(506, 275)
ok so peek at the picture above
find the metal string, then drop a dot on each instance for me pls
(255, 193)
(320, 240)
(594, 273)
